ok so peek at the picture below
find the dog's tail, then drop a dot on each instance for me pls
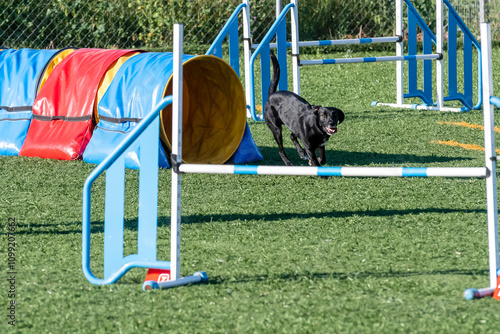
(276, 74)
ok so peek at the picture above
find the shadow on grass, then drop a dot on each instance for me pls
(294, 277)
(197, 219)
(344, 276)
(340, 158)
(131, 224)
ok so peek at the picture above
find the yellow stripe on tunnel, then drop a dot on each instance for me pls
(107, 78)
(53, 63)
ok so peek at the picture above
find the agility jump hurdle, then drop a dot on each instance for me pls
(488, 172)
(415, 21)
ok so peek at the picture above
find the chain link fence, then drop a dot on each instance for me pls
(148, 24)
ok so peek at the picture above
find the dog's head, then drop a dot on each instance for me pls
(329, 118)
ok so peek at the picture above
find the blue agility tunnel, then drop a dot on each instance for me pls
(214, 109)
(22, 74)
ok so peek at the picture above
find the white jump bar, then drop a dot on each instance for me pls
(480, 172)
(369, 59)
(330, 42)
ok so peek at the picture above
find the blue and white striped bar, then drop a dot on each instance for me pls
(417, 107)
(480, 172)
(368, 59)
(373, 40)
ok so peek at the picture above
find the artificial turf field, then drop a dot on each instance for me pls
(283, 254)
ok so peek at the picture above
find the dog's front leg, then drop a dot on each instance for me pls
(284, 157)
(313, 161)
(300, 150)
(322, 154)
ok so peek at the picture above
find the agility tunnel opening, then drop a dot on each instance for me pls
(214, 111)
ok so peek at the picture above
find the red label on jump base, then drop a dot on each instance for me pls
(496, 293)
(158, 275)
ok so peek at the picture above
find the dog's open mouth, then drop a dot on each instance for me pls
(330, 131)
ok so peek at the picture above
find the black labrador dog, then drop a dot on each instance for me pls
(312, 124)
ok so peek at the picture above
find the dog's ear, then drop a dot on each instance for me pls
(341, 116)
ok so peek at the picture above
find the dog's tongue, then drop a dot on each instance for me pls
(330, 131)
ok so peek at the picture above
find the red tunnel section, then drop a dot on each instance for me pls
(63, 111)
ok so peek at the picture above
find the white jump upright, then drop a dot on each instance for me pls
(295, 47)
(176, 159)
(399, 53)
(176, 155)
(490, 162)
(490, 154)
(247, 50)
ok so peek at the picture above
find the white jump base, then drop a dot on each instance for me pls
(417, 107)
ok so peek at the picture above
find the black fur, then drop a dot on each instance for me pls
(312, 124)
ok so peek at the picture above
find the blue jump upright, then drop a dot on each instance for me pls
(144, 136)
(115, 264)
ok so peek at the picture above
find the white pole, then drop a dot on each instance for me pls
(175, 219)
(399, 52)
(439, 50)
(247, 53)
(483, 11)
(295, 47)
(278, 8)
(490, 157)
(337, 171)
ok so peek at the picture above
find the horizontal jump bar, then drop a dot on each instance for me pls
(369, 59)
(341, 42)
(481, 172)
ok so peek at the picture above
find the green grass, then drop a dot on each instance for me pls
(283, 254)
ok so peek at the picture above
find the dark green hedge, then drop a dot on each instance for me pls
(148, 23)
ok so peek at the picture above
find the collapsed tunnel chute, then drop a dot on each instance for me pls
(22, 74)
(214, 109)
(63, 111)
